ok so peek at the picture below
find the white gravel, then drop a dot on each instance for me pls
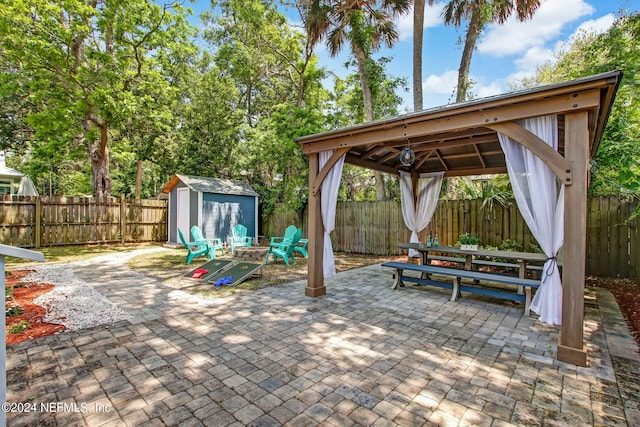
(74, 303)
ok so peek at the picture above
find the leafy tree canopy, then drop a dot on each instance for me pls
(617, 162)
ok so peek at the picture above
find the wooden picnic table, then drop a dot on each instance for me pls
(521, 258)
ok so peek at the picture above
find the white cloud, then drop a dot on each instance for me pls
(513, 36)
(596, 26)
(533, 58)
(482, 91)
(444, 84)
(432, 19)
(538, 55)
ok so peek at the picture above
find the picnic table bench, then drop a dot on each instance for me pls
(456, 286)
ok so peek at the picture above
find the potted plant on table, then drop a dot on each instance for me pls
(468, 242)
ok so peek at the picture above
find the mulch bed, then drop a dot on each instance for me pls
(23, 295)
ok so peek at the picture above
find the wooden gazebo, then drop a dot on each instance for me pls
(461, 139)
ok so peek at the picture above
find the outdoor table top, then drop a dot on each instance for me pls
(520, 256)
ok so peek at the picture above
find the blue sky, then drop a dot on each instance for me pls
(504, 53)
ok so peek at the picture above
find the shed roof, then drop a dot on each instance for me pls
(461, 139)
(211, 185)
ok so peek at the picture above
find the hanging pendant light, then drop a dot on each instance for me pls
(407, 156)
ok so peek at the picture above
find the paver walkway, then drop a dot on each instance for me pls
(362, 355)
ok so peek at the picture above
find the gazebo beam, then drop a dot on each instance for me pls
(317, 182)
(403, 129)
(558, 164)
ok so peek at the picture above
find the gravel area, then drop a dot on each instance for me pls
(73, 302)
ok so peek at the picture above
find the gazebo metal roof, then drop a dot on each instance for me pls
(461, 139)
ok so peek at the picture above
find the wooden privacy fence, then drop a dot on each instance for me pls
(376, 227)
(52, 221)
(361, 227)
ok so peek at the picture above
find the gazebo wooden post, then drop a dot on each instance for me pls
(571, 347)
(315, 279)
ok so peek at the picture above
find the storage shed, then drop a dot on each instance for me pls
(215, 205)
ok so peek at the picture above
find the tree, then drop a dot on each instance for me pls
(349, 109)
(617, 162)
(365, 25)
(479, 13)
(270, 63)
(349, 102)
(418, 32)
(84, 63)
(271, 71)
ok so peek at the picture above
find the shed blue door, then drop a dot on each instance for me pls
(220, 212)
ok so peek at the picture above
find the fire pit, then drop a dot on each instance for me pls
(253, 253)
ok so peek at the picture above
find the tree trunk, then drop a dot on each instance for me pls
(138, 195)
(473, 31)
(99, 154)
(418, 23)
(367, 97)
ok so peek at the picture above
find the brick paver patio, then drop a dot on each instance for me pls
(362, 355)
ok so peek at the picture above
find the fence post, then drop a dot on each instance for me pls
(123, 218)
(38, 230)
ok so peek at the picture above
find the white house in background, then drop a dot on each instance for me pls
(14, 182)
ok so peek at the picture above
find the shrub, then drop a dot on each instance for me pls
(13, 310)
(510, 245)
(17, 328)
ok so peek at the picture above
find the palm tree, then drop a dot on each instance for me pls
(480, 13)
(418, 23)
(365, 25)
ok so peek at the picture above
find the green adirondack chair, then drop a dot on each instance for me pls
(284, 249)
(195, 249)
(214, 243)
(239, 238)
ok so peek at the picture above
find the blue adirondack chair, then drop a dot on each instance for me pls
(284, 249)
(214, 244)
(239, 238)
(195, 249)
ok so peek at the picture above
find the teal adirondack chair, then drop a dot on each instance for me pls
(239, 238)
(195, 249)
(289, 232)
(214, 243)
(302, 247)
(284, 249)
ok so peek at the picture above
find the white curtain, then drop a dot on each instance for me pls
(417, 218)
(540, 198)
(328, 201)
